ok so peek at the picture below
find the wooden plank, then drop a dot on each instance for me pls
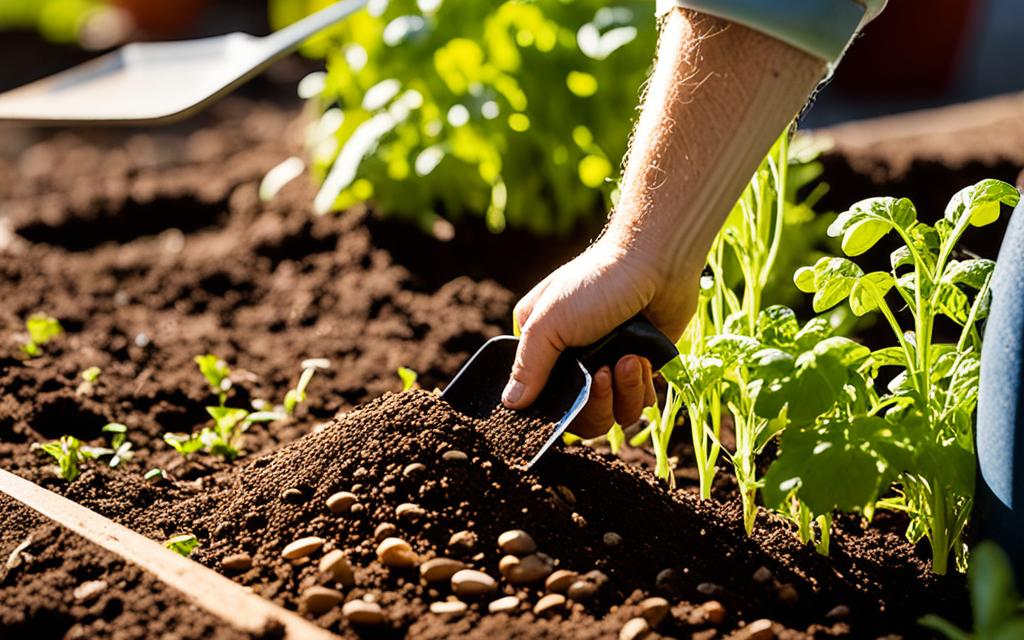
(206, 588)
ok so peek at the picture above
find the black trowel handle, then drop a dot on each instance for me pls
(636, 336)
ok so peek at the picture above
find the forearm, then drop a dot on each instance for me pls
(719, 95)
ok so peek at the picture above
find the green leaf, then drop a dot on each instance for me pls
(183, 443)
(889, 357)
(867, 221)
(408, 378)
(833, 280)
(777, 326)
(154, 474)
(869, 291)
(953, 302)
(993, 596)
(114, 427)
(42, 328)
(816, 330)
(980, 202)
(91, 374)
(972, 273)
(901, 257)
(616, 438)
(216, 372)
(183, 544)
(804, 279)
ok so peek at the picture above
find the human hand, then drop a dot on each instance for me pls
(580, 303)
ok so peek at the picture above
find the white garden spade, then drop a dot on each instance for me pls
(157, 82)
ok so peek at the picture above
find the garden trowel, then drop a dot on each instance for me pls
(157, 82)
(476, 389)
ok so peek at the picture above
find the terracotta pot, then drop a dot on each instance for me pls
(912, 49)
(163, 17)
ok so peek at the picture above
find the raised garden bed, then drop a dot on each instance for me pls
(152, 248)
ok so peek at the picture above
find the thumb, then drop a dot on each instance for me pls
(536, 354)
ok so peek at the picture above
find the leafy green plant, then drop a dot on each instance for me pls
(69, 452)
(919, 435)
(408, 378)
(41, 329)
(510, 110)
(57, 20)
(121, 447)
(998, 610)
(183, 544)
(296, 396)
(217, 374)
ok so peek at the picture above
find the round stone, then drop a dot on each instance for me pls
(714, 612)
(414, 469)
(302, 547)
(611, 539)
(318, 600)
(762, 575)
(517, 542)
(465, 540)
(470, 582)
(654, 610)
(341, 502)
(760, 630)
(335, 564)
(454, 456)
(237, 562)
(525, 570)
(89, 589)
(409, 511)
(582, 590)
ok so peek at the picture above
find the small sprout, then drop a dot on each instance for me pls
(121, 446)
(183, 544)
(616, 438)
(296, 396)
(41, 329)
(154, 475)
(92, 374)
(408, 378)
(217, 373)
(69, 454)
(184, 443)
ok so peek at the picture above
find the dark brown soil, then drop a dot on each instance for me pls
(154, 248)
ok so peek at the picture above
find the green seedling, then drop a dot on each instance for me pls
(296, 396)
(998, 609)
(154, 475)
(217, 374)
(70, 453)
(919, 437)
(408, 378)
(183, 544)
(41, 329)
(121, 447)
(184, 443)
(92, 374)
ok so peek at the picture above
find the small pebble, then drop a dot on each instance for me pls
(634, 629)
(293, 496)
(611, 539)
(548, 603)
(559, 581)
(384, 530)
(762, 575)
(668, 581)
(318, 600)
(517, 542)
(760, 630)
(838, 612)
(709, 588)
(463, 540)
(566, 494)
(454, 456)
(336, 565)
(449, 608)
(237, 562)
(396, 553)
(89, 590)
(341, 502)
(713, 611)
(654, 610)
(363, 612)
(409, 511)
(469, 582)
(526, 570)
(504, 605)
(414, 469)
(302, 547)
(787, 594)
(438, 569)
(582, 591)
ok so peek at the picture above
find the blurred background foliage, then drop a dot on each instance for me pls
(517, 111)
(56, 20)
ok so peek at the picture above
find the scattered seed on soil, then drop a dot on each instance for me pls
(318, 600)
(762, 575)
(414, 469)
(465, 540)
(237, 562)
(611, 539)
(409, 511)
(759, 630)
(454, 456)
(504, 605)
(548, 603)
(440, 569)
(582, 591)
(525, 570)
(302, 547)
(89, 590)
(293, 496)
(470, 582)
(566, 494)
(341, 501)
(449, 608)
(516, 542)
(634, 629)
(396, 553)
(654, 610)
(713, 611)
(668, 581)
(384, 530)
(335, 564)
(559, 581)
(363, 612)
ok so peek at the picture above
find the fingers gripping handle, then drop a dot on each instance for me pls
(636, 336)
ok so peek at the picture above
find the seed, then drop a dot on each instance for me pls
(438, 569)
(293, 496)
(409, 511)
(713, 611)
(582, 590)
(469, 582)
(559, 581)
(341, 502)
(654, 610)
(566, 494)
(709, 588)
(787, 594)
(413, 469)
(335, 564)
(529, 569)
(396, 553)
(548, 603)
(669, 581)
(363, 612)
(89, 590)
(237, 562)
(760, 630)
(516, 541)
(504, 605)
(384, 530)
(611, 539)
(762, 575)
(463, 539)
(454, 456)
(634, 629)
(838, 612)
(449, 608)
(302, 547)
(317, 600)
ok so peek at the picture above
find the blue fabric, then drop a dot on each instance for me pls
(1000, 435)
